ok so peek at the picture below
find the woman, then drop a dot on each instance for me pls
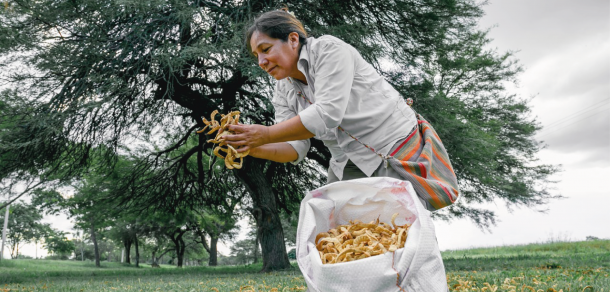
(325, 90)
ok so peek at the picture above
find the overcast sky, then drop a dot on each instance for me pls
(564, 47)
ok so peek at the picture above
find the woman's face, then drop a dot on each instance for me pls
(279, 58)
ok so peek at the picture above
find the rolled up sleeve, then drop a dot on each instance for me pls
(283, 113)
(334, 67)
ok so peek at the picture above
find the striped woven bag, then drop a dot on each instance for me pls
(422, 160)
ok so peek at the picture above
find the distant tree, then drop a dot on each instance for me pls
(292, 254)
(85, 205)
(24, 226)
(79, 244)
(242, 252)
(107, 247)
(58, 244)
(253, 240)
(215, 223)
(176, 229)
(127, 228)
(157, 245)
(289, 225)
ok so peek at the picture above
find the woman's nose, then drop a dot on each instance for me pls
(262, 61)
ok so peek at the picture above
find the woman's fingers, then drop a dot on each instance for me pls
(242, 149)
(245, 137)
(234, 138)
(236, 142)
(237, 128)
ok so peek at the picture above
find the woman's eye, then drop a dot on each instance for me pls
(265, 49)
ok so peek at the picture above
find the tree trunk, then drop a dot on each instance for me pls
(127, 244)
(213, 251)
(159, 260)
(4, 228)
(96, 250)
(256, 249)
(266, 214)
(180, 252)
(82, 250)
(137, 251)
(176, 237)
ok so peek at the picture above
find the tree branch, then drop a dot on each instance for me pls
(179, 143)
(27, 190)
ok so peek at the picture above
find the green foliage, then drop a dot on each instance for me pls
(292, 254)
(95, 80)
(242, 252)
(58, 244)
(289, 225)
(24, 226)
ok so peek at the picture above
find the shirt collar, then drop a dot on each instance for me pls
(304, 55)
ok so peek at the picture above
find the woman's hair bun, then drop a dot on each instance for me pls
(284, 7)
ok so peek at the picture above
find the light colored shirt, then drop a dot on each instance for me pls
(345, 91)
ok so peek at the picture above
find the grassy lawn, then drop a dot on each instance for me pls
(575, 266)
(567, 266)
(47, 275)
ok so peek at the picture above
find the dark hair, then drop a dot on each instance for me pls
(277, 24)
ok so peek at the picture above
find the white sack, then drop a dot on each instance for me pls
(415, 268)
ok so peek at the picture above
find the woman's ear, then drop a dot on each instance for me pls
(294, 39)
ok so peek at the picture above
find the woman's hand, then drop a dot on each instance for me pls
(247, 137)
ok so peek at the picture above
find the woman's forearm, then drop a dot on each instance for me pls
(289, 130)
(278, 152)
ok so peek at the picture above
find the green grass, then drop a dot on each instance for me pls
(563, 266)
(49, 275)
(18, 271)
(567, 266)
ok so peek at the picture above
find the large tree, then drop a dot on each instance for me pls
(99, 72)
